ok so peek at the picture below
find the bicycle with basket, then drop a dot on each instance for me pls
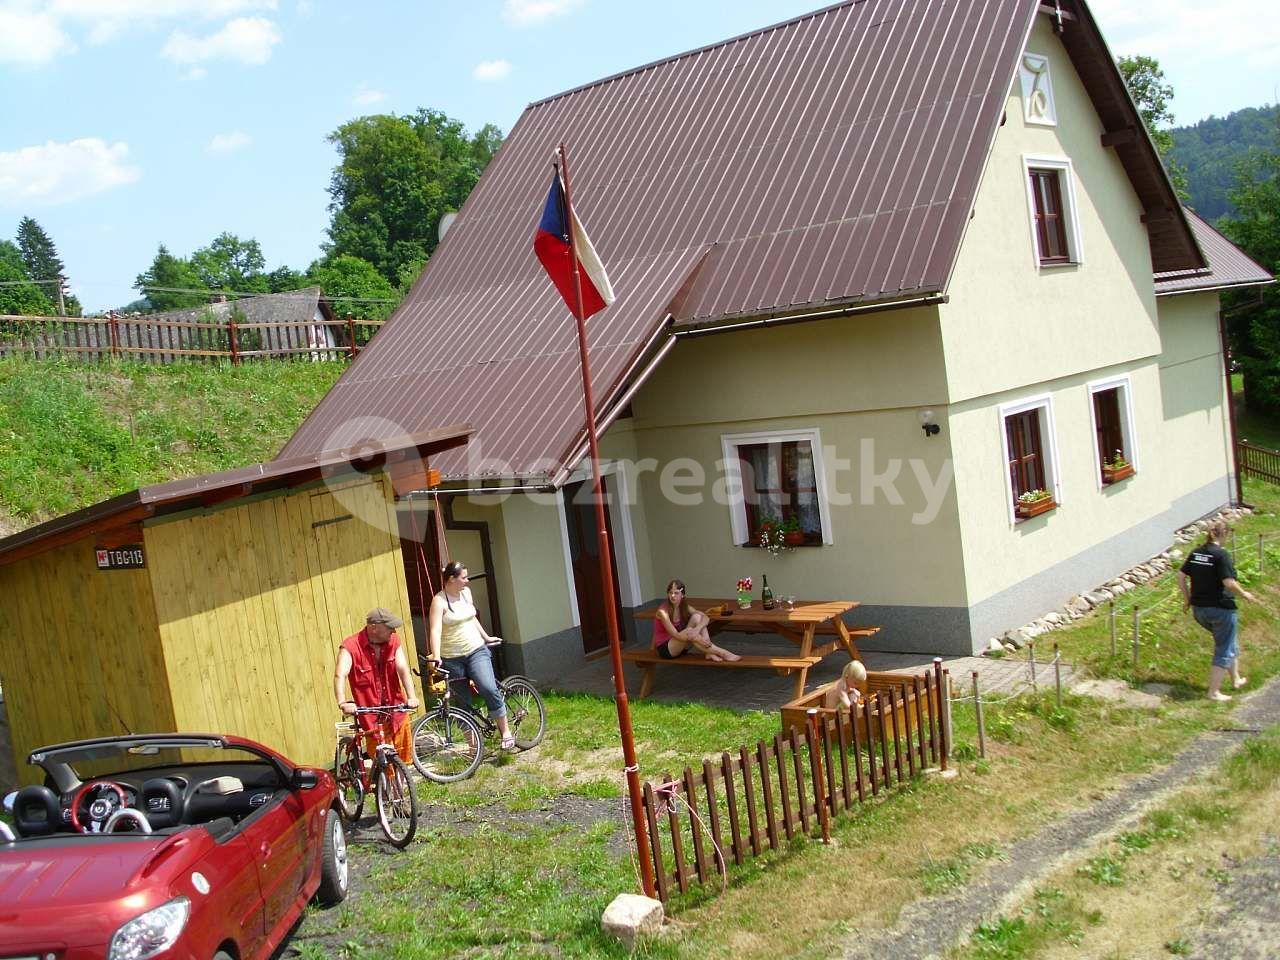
(383, 774)
(448, 741)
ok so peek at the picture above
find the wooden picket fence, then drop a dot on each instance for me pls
(1260, 462)
(760, 798)
(156, 339)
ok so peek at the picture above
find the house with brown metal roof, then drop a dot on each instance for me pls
(908, 277)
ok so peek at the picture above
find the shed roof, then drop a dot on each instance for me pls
(293, 306)
(1229, 266)
(215, 488)
(826, 162)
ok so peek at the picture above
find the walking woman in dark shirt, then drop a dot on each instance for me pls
(1208, 580)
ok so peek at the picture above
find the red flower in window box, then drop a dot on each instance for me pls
(1033, 503)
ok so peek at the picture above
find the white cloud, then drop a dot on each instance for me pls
(365, 97)
(1245, 32)
(105, 19)
(29, 36)
(245, 39)
(527, 13)
(229, 142)
(489, 70)
(196, 73)
(61, 172)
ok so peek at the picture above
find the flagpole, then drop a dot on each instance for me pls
(606, 564)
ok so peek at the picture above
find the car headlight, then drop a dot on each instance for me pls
(154, 931)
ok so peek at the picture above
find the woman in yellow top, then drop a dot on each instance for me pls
(458, 641)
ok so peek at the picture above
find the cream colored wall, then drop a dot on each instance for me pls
(1178, 402)
(1009, 321)
(537, 602)
(852, 379)
(1054, 330)
(998, 552)
(1196, 446)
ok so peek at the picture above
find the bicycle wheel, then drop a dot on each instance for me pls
(526, 713)
(397, 806)
(447, 745)
(350, 788)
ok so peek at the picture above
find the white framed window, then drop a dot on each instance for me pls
(1028, 437)
(1037, 90)
(777, 475)
(1115, 448)
(1051, 207)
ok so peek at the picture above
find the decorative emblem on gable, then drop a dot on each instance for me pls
(1037, 90)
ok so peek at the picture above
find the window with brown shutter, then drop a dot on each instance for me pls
(1106, 416)
(1026, 452)
(1051, 224)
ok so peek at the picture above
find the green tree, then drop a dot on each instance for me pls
(1254, 315)
(354, 286)
(43, 264)
(284, 279)
(167, 274)
(396, 178)
(231, 264)
(1153, 95)
(17, 294)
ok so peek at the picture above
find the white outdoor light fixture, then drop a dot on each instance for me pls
(928, 423)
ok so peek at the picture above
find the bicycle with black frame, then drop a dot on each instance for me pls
(448, 742)
(383, 774)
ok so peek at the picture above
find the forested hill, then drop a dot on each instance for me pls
(1210, 150)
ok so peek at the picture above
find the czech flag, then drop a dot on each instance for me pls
(551, 245)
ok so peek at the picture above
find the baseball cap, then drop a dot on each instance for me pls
(384, 616)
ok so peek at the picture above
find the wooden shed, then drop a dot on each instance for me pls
(214, 604)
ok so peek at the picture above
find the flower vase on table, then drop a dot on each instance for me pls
(744, 593)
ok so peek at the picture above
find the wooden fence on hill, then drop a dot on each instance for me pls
(155, 339)
(730, 810)
(1259, 462)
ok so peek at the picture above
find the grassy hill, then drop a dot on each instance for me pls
(72, 434)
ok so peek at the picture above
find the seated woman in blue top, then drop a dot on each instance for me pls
(678, 626)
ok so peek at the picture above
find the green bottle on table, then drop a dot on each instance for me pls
(766, 595)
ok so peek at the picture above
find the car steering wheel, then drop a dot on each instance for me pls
(111, 797)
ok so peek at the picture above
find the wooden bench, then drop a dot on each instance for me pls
(649, 660)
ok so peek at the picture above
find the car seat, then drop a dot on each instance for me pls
(36, 811)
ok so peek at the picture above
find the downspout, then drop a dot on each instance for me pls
(1231, 408)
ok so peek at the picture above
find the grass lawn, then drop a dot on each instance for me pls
(1259, 430)
(521, 860)
(72, 434)
(1148, 892)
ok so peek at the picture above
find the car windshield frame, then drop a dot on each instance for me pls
(57, 760)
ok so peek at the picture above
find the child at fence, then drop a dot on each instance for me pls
(677, 626)
(848, 690)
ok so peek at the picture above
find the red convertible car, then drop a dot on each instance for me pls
(166, 845)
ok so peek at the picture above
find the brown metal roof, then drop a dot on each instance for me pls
(1229, 266)
(215, 488)
(829, 160)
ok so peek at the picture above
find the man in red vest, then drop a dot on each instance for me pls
(373, 661)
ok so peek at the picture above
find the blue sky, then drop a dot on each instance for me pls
(127, 123)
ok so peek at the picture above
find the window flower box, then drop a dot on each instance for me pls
(1033, 503)
(1114, 474)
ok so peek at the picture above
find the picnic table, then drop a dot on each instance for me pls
(802, 624)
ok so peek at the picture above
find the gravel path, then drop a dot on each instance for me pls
(928, 928)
